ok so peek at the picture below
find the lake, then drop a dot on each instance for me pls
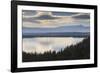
(45, 44)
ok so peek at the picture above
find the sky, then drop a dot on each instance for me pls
(52, 19)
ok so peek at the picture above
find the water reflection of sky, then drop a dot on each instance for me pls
(44, 44)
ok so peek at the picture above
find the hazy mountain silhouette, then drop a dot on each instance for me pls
(75, 30)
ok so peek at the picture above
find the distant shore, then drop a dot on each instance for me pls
(62, 34)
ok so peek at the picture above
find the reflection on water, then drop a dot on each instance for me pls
(44, 44)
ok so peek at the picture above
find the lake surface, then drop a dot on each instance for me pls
(44, 44)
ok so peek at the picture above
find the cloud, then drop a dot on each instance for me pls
(31, 20)
(82, 16)
(49, 19)
(51, 23)
(64, 13)
(45, 17)
(29, 12)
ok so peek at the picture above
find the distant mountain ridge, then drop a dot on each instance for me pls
(75, 28)
(63, 31)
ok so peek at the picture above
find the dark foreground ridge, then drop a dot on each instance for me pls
(74, 52)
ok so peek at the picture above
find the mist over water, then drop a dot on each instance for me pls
(44, 44)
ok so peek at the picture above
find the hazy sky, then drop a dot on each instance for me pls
(45, 19)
